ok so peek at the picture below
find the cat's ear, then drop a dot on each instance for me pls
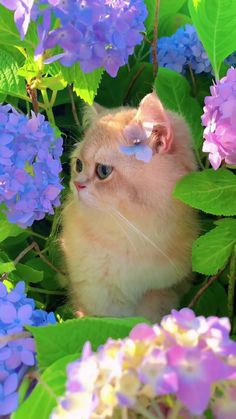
(154, 119)
(91, 113)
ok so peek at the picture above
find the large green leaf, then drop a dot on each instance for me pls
(56, 341)
(8, 229)
(212, 250)
(43, 399)
(215, 22)
(10, 82)
(166, 7)
(210, 191)
(174, 92)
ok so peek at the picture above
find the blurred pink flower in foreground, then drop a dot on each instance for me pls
(181, 367)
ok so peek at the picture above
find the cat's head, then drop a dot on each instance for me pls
(104, 177)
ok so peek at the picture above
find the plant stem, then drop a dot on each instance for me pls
(48, 107)
(144, 412)
(23, 253)
(154, 41)
(42, 291)
(231, 286)
(11, 337)
(204, 288)
(73, 107)
(53, 98)
(33, 233)
(193, 81)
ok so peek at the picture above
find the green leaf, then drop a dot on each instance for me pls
(168, 24)
(6, 267)
(85, 85)
(43, 398)
(9, 34)
(166, 7)
(8, 229)
(56, 341)
(53, 83)
(211, 251)
(10, 82)
(215, 22)
(210, 191)
(174, 92)
(28, 274)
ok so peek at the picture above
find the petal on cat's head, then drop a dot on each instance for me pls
(155, 122)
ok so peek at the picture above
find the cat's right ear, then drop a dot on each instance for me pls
(91, 113)
(155, 121)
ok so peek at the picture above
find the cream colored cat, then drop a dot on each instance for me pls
(127, 241)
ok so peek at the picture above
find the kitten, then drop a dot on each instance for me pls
(127, 241)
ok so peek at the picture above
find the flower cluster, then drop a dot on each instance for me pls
(185, 365)
(16, 356)
(219, 120)
(95, 33)
(183, 49)
(29, 166)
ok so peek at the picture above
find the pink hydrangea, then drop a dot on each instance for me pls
(184, 365)
(219, 118)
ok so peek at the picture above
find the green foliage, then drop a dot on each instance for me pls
(169, 23)
(7, 229)
(10, 83)
(212, 250)
(56, 341)
(174, 91)
(166, 7)
(44, 397)
(215, 22)
(210, 191)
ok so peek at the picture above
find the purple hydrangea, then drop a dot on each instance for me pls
(189, 359)
(91, 32)
(16, 356)
(29, 166)
(219, 119)
(183, 49)
(95, 33)
(137, 136)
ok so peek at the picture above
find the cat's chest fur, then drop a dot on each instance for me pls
(125, 264)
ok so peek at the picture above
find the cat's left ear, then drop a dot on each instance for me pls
(154, 119)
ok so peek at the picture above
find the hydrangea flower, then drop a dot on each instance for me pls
(96, 33)
(184, 365)
(219, 119)
(16, 356)
(137, 135)
(183, 49)
(29, 166)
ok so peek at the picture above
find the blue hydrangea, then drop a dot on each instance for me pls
(183, 49)
(17, 356)
(29, 166)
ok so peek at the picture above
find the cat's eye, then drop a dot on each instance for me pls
(103, 170)
(78, 166)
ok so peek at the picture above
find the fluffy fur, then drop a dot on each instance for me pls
(127, 241)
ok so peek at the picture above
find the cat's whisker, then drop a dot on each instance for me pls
(114, 216)
(140, 233)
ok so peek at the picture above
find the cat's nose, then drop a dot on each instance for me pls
(79, 185)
